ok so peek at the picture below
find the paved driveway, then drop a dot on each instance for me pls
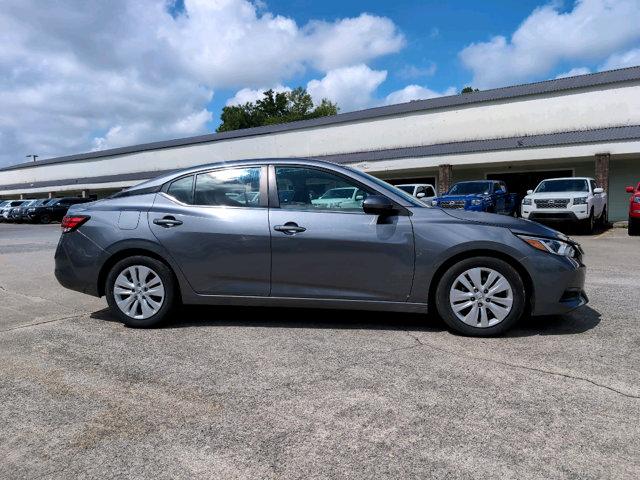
(272, 393)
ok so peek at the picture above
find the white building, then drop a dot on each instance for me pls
(587, 125)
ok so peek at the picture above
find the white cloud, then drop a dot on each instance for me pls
(416, 92)
(592, 30)
(351, 87)
(630, 58)
(574, 72)
(246, 95)
(83, 75)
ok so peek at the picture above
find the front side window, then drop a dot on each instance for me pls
(593, 185)
(233, 187)
(302, 188)
(182, 189)
(430, 192)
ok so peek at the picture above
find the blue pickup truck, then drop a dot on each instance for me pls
(480, 196)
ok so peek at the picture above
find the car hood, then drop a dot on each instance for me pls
(516, 225)
(557, 195)
(461, 197)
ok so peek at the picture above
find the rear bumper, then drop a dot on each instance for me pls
(77, 263)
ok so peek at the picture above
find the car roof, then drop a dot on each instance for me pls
(161, 180)
(566, 178)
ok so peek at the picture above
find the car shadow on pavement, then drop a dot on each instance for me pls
(577, 322)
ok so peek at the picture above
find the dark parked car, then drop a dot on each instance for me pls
(480, 196)
(53, 211)
(15, 215)
(19, 214)
(222, 235)
(5, 213)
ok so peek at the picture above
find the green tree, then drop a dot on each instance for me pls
(469, 90)
(275, 107)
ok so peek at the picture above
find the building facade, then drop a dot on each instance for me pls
(587, 125)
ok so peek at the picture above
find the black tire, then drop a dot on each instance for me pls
(165, 274)
(45, 219)
(634, 226)
(588, 225)
(604, 218)
(446, 282)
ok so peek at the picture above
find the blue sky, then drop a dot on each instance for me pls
(80, 76)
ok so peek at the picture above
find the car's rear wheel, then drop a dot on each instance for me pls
(634, 226)
(481, 296)
(140, 291)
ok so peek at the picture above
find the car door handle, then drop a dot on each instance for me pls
(289, 228)
(167, 222)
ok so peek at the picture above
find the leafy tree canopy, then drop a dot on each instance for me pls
(469, 90)
(272, 108)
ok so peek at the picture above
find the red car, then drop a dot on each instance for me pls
(634, 210)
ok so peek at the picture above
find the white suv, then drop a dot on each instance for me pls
(575, 199)
(422, 191)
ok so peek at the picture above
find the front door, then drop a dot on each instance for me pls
(215, 225)
(324, 246)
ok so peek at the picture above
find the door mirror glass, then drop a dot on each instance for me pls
(629, 189)
(500, 192)
(598, 190)
(421, 195)
(377, 205)
(529, 192)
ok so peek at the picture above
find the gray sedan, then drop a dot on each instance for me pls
(253, 233)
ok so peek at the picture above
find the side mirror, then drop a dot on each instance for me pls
(598, 190)
(421, 195)
(500, 192)
(377, 205)
(359, 198)
(629, 189)
(529, 192)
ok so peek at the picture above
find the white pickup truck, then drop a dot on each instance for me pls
(422, 191)
(575, 199)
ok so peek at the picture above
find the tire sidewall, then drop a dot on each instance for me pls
(444, 286)
(168, 282)
(44, 219)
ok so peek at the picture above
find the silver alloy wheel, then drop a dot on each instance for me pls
(139, 292)
(481, 297)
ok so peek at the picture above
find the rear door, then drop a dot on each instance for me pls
(334, 250)
(215, 225)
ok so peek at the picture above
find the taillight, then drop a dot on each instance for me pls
(72, 222)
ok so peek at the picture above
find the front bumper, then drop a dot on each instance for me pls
(558, 283)
(574, 213)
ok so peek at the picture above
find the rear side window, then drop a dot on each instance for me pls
(233, 187)
(182, 189)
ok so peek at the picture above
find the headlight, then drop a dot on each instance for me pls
(476, 201)
(556, 247)
(434, 203)
(636, 199)
(526, 201)
(31, 210)
(580, 201)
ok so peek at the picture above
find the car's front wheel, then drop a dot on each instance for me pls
(140, 291)
(634, 226)
(481, 296)
(45, 218)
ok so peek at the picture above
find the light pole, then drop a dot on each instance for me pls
(34, 156)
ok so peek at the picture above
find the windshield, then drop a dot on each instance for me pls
(338, 193)
(406, 188)
(566, 185)
(470, 188)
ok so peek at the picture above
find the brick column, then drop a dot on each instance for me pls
(602, 170)
(445, 175)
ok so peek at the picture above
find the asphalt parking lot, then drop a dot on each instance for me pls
(272, 393)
